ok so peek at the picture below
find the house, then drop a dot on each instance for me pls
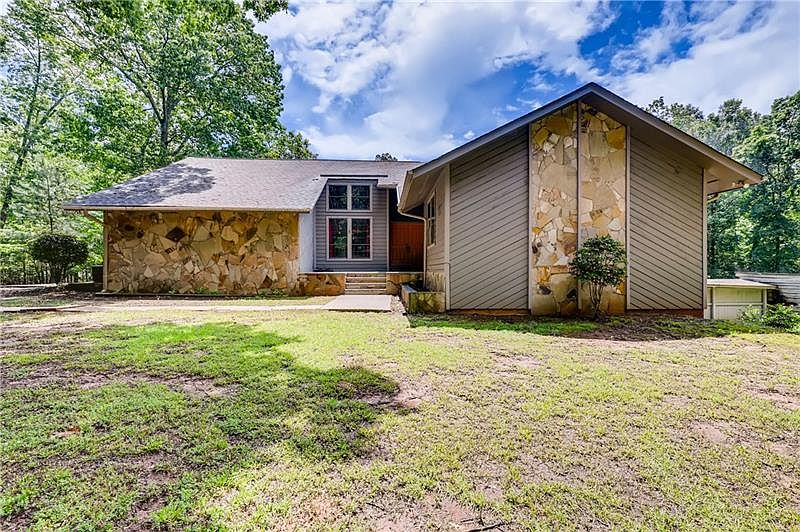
(235, 226)
(503, 215)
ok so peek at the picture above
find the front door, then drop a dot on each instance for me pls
(406, 244)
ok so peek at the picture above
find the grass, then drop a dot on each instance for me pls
(218, 301)
(367, 421)
(67, 298)
(619, 328)
(542, 326)
(34, 301)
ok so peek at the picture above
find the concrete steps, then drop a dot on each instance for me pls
(366, 283)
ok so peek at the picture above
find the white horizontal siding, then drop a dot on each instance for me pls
(729, 303)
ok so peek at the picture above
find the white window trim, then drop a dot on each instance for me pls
(349, 197)
(349, 238)
(427, 220)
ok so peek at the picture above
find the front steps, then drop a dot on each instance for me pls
(366, 283)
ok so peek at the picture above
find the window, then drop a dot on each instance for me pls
(349, 197)
(359, 238)
(359, 197)
(337, 238)
(337, 197)
(430, 214)
(349, 238)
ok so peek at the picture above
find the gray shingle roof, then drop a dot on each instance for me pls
(239, 184)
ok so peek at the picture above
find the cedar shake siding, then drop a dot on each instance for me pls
(489, 226)
(378, 214)
(666, 230)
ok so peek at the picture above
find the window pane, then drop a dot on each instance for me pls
(431, 208)
(360, 238)
(337, 238)
(337, 197)
(360, 199)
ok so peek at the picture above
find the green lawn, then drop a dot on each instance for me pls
(34, 301)
(368, 421)
(60, 299)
